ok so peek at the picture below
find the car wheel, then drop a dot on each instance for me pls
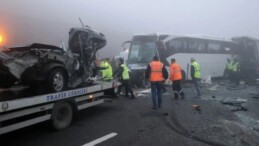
(56, 80)
(62, 115)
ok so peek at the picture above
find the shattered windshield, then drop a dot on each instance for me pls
(141, 52)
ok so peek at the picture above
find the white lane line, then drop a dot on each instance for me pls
(101, 139)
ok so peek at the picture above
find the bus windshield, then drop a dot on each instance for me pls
(141, 52)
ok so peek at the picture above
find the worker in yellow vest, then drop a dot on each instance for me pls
(229, 69)
(107, 74)
(236, 71)
(123, 73)
(156, 73)
(101, 65)
(196, 75)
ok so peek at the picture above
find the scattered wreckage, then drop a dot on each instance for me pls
(52, 67)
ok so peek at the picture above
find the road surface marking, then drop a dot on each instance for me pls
(101, 139)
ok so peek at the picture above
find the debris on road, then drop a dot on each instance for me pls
(196, 107)
(144, 93)
(214, 88)
(165, 114)
(237, 103)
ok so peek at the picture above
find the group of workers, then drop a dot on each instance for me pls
(156, 73)
(122, 73)
(233, 70)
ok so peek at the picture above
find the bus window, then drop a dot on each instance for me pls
(141, 52)
(197, 46)
(175, 45)
(214, 47)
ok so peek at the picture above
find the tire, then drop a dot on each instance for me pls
(56, 80)
(62, 115)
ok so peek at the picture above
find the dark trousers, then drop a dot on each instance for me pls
(236, 78)
(230, 75)
(127, 87)
(196, 85)
(177, 89)
(156, 91)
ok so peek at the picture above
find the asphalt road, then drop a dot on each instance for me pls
(134, 123)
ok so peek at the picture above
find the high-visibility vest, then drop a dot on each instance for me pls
(102, 63)
(107, 72)
(235, 67)
(156, 71)
(197, 69)
(229, 65)
(125, 73)
(175, 72)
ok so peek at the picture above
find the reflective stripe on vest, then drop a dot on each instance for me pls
(125, 73)
(102, 64)
(156, 71)
(197, 69)
(175, 72)
(107, 72)
(235, 67)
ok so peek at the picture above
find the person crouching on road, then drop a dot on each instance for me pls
(123, 74)
(175, 77)
(156, 73)
(196, 75)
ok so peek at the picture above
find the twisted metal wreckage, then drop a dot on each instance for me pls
(52, 67)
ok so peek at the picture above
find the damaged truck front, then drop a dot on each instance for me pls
(52, 67)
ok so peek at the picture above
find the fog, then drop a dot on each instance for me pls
(28, 21)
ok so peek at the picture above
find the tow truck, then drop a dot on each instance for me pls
(19, 110)
(63, 73)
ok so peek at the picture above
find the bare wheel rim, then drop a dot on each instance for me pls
(58, 81)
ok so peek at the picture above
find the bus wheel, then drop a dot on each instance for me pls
(183, 76)
(62, 115)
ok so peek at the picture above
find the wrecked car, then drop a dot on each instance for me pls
(52, 67)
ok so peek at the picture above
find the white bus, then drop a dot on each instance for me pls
(211, 53)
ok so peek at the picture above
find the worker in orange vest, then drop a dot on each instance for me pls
(175, 77)
(156, 73)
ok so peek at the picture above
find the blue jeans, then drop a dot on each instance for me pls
(156, 91)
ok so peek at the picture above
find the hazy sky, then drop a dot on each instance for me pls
(48, 21)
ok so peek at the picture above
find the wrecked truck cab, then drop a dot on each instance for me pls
(49, 66)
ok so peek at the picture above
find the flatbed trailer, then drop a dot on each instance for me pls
(17, 112)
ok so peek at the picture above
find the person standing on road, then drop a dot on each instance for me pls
(196, 75)
(229, 68)
(156, 73)
(175, 77)
(236, 71)
(123, 73)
